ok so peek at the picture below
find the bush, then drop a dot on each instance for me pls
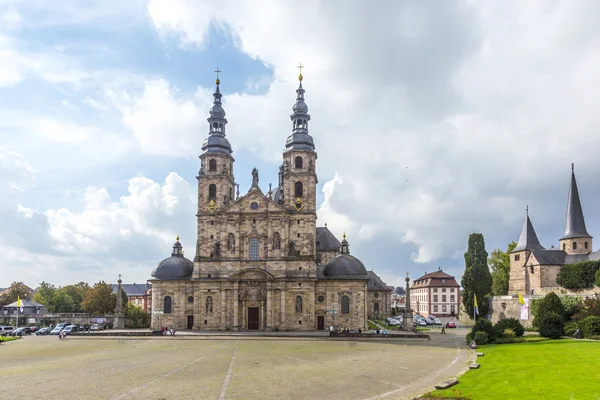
(572, 305)
(512, 324)
(481, 338)
(570, 328)
(590, 326)
(552, 325)
(549, 304)
(508, 333)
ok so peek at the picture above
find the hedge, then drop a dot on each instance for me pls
(579, 275)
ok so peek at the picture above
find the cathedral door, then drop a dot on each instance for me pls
(253, 318)
(190, 321)
(321, 322)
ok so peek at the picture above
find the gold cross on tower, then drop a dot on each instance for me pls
(300, 68)
(217, 71)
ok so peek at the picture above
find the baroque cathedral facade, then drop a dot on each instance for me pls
(261, 263)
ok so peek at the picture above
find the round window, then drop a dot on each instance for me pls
(376, 295)
(254, 205)
(190, 299)
(320, 299)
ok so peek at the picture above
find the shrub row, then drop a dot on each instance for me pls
(507, 330)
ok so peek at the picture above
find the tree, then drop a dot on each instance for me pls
(77, 293)
(477, 279)
(44, 295)
(400, 291)
(579, 275)
(139, 317)
(549, 304)
(100, 299)
(62, 302)
(499, 263)
(16, 290)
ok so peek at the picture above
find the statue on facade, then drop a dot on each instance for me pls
(218, 249)
(255, 178)
(231, 242)
(209, 304)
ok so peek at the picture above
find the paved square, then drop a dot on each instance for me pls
(253, 368)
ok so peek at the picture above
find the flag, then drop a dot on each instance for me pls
(19, 303)
(525, 309)
(475, 304)
(521, 301)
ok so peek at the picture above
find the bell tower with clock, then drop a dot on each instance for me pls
(298, 176)
(216, 182)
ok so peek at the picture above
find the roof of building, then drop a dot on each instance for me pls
(326, 241)
(528, 239)
(216, 142)
(25, 303)
(132, 289)
(345, 266)
(175, 267)
(574, 224)
(375, 283)
(435, 279)
(549, 256)
(300, 139)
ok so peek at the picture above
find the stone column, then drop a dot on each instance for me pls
(283, 325)
(269, 308)
(223, 310)
(236, 314)
(244, 323)
(119, 322)
(408, 317)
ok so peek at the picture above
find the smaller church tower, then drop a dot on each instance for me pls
(528, 242)
(216, 182)
(576, 239)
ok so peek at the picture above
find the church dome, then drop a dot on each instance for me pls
(174, 267)
(344, 265)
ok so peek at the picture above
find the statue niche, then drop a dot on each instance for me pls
(231, 242)
(217, 249)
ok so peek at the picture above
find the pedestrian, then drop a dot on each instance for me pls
(443, 330)
(162, 328)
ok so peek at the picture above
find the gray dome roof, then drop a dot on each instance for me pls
(174, 267)
(345, 265)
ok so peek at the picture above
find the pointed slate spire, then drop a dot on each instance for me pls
(528, 239)
(574, 224)
(216, 141)
(300, 139)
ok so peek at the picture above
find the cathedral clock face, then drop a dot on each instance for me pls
(254, 205)
(298, 205)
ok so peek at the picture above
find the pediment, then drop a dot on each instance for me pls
(261, 202)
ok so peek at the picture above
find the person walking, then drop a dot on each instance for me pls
(443, 329)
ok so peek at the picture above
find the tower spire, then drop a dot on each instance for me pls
(528, 239)
(574, 224)
(216, 141)
(300, 139)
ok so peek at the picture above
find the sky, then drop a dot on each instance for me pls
(432, 120)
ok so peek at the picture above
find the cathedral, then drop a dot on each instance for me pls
(261, 263)
(533, 268)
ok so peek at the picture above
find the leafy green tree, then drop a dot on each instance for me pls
(400, 291)
(16, 290)
(62, 302)
(579, 275)
(100, 299)
(499, 263)
(552, 325)
(572, 305)
(44, 295)
(77, 293)
(589, 308)
(477, 279)
(139, 317)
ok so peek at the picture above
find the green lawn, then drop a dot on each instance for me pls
(557, 369)
(7, 339)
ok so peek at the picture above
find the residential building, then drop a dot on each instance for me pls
(139, 295)
(436, 293)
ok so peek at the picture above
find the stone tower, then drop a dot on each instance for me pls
(576, 239)
(298, 176)
(528, 241)
(216, 183)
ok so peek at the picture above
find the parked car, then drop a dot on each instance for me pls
(18, 332)
(435, 320)
(69, 329)
(56, 330)
(450, 325)
(43, 331)
(96, 327)
(5, 330)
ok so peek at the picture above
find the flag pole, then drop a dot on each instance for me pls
(17, 324)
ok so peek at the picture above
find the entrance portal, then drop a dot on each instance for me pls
(190, 321)
(253, 318)
(320, 322)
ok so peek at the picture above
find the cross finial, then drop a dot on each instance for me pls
(572, 166)
(300, 68)
(527, 210)
(217, 71)
(407, 274)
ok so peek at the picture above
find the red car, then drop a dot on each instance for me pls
(450, 325)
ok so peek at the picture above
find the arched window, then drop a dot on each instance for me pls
(212, 191)
(212, 164)
(564, 246)
(376, 308)
(167, 305)
(585, 245)
(345, 305)
(230, 193)
(298, 162)
(299, 304)
(276, 241)
(574, 245)
(253, 248)
(298, 190)
(208, 304)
